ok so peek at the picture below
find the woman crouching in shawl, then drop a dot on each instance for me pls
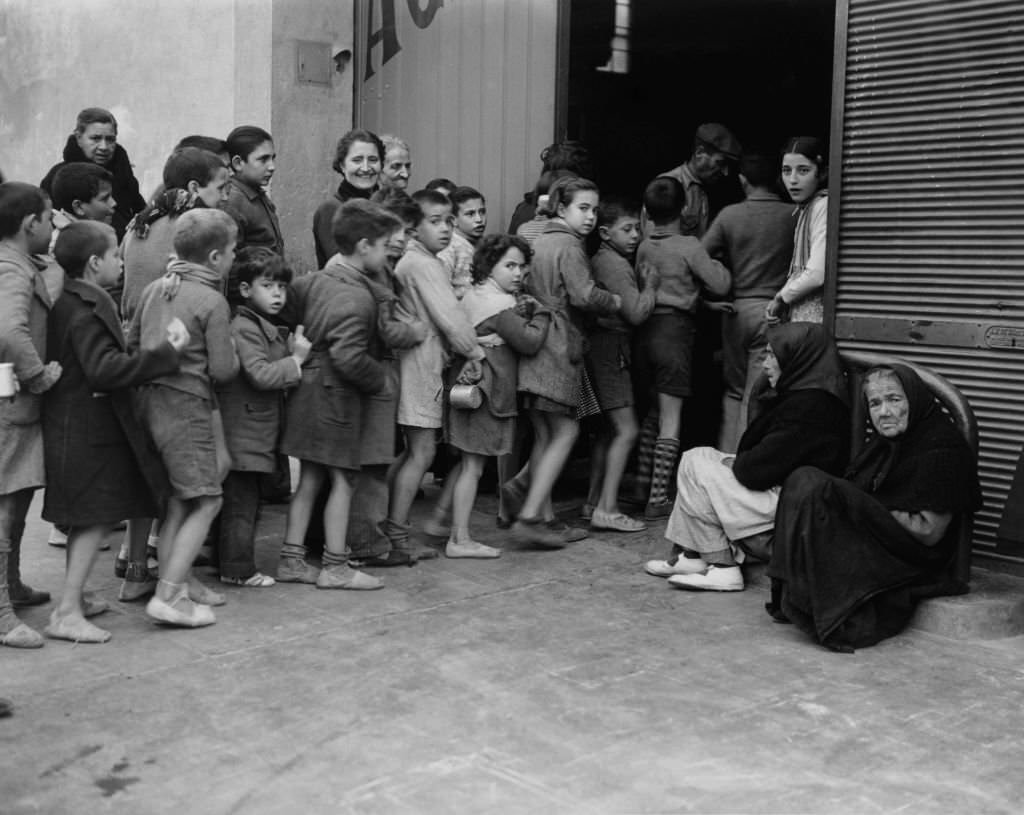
(725, 505)
(851, 556)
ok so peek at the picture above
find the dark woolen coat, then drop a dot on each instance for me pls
(100, 465)
(252, 404)
(804, 427)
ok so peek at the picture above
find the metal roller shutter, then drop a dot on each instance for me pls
(928, 206)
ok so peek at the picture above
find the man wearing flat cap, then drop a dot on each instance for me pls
(715, 149)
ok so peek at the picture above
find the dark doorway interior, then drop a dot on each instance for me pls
(761, 67)
(643, 74)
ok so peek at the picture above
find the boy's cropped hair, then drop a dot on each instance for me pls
(428, 198)
(79, 241)
(210, 144)
(663, 199)
(199, 232)
(254, 262)
(613, 207)
(244, 139)
(440, 184)
(78, 181)
(760, 169)
(399, 203)
(358, 219)
(17, 201)
(91, 116)
(460, 195)
(492, 248)
(190, 164)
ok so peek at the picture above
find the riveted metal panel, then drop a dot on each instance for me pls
(471, 88)
(928, 207)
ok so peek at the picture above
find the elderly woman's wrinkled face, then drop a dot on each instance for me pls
(887, 405)
(396, 169)
(770, 366)
(98, 141)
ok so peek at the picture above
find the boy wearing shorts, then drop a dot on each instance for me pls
(179, 409)
(664, 344)
(609, 357)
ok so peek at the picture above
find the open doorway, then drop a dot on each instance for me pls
(643, 74)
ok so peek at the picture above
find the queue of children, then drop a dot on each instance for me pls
(416, 320)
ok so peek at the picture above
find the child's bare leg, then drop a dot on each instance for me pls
(545, 469)
(196, 515)
(336, 573)
(598, 462)
(420, 447)
(461, 543)
(437, 525)
(625, 431)
(300, 510)
(336, 512)
(67, 622)
(13, 632)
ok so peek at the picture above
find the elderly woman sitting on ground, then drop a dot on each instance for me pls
(725, 505)
(853, 555)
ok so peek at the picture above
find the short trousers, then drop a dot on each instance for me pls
(664, 353)
(184, 431)
(608, 364)
(532, 401)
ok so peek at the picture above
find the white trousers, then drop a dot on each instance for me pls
(712, 508)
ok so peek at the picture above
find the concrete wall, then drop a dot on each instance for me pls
(201, 66)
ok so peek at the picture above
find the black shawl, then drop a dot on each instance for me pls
(928, 467)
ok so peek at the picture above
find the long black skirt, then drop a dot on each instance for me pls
(845, 571)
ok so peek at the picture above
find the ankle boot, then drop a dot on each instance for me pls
(22, 595)
(13, 632)
(666, 453)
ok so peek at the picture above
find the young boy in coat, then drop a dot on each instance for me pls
(179, 409)
(99, 467)
(25, 229)
(251, 405)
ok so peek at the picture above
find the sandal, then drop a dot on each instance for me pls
(256, 581)
(179, 610)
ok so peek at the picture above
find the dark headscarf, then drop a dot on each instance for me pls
(125, 186)
(808, 360)
(927, 467)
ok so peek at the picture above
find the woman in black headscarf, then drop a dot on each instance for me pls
(725, 505)
(852, 555)
(95, 140)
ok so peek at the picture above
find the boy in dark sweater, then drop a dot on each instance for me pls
(754, 240)
(664, 344)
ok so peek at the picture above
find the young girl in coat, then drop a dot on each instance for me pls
(805, 176)
(561, 280)
(99, 468)
(505, 330)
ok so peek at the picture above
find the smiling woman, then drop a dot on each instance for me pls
(358, 158)
(852, 555)
(95, 141)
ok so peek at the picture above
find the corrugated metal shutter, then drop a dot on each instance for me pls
(930, 218)
(472, 89)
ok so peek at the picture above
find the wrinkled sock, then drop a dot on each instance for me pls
(295, 550)
(330, 559)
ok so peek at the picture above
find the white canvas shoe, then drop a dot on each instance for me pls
(675, 565)
(716, 578)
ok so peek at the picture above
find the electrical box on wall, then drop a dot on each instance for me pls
(313, 63)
